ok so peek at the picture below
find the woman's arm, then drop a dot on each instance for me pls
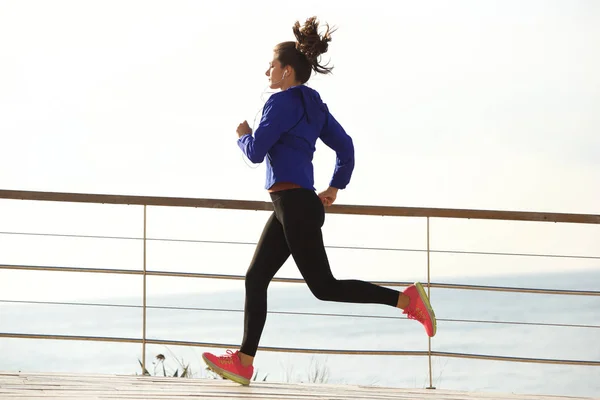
(277, 113)
(336, 138)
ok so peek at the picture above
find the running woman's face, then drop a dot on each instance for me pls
(276, 74)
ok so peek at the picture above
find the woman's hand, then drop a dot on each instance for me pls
(328, 196)
(243, 129)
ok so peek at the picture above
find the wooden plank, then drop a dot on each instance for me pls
(51, 386)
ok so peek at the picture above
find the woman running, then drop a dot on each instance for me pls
(292, 121)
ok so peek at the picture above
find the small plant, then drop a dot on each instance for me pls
(317, 373)
(255, 378)
(159, 364)
(212, 374)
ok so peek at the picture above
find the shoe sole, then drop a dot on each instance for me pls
(425, 300)
(226, 374)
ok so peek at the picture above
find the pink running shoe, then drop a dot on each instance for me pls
(420, 309)
(229, 366)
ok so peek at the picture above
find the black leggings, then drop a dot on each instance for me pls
(295, 228)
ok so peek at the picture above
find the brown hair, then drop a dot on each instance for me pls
(304, 54)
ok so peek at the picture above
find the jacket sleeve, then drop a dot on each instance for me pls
(274, 122)
(334, 136)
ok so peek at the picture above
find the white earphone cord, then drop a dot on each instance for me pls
(252, 165)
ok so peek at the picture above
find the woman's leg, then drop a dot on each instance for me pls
(270, 254)
(302, 215)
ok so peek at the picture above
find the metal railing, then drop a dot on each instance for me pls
(427, 213)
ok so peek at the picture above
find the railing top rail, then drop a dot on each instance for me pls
(266, 206)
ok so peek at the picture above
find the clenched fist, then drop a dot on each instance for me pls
(243, 129)
(328, 196)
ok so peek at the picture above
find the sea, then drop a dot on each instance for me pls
(293, 323)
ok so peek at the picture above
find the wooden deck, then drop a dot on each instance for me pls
(44, 386)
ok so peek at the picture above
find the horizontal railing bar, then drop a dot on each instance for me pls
(70, 235)
(515, 359)
(303, 350)
(491, 253)
(297, 313)
(71, 269)
(267, 206)
(515, 289)
(295, 280)
(41, 336)
(233, 242)
(549, 324)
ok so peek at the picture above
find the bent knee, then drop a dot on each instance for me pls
(324, 290)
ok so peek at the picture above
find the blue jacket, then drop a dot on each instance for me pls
(291, 123)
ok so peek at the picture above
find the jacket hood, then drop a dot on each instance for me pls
(314, 108)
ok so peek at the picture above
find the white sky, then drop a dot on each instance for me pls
(455, 104)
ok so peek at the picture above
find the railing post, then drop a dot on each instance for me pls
(429, 295)
(144, 301)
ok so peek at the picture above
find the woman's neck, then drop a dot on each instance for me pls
(286, 85)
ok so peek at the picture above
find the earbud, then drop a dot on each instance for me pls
(284, 74)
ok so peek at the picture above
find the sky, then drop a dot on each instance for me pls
(452, 104)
